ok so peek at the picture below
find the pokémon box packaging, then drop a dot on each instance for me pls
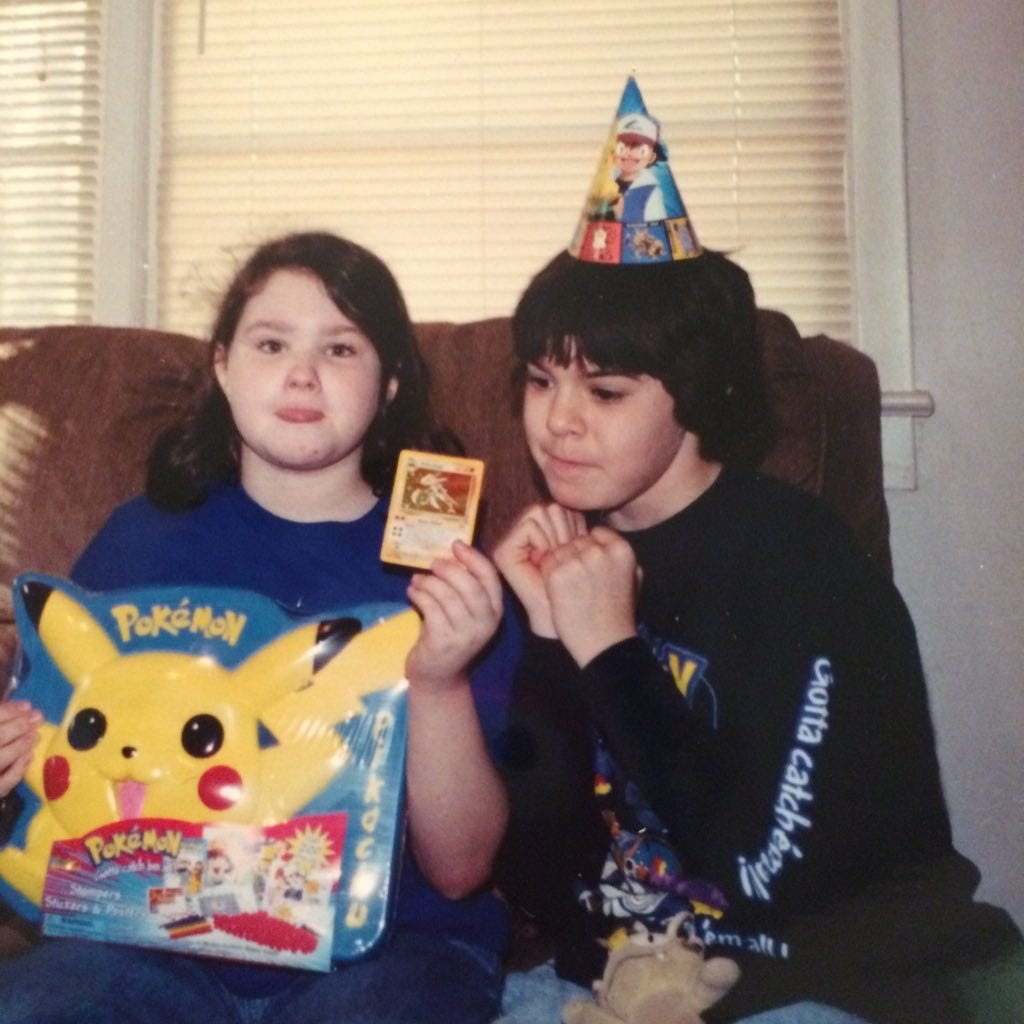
(214, 776)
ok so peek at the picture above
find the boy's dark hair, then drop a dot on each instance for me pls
(203, 449)
(692, 324)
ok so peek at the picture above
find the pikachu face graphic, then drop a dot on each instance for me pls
(176, 733)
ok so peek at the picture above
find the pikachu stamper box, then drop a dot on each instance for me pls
(214, 775)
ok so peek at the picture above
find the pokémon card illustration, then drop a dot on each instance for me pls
(218, 776)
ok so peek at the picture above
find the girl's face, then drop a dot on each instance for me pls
(303, 382)
(608, 442)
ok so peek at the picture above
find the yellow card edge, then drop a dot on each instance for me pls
(407, 455)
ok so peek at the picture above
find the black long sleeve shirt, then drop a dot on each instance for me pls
(773, 715)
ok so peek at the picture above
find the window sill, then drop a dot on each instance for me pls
(899, 457)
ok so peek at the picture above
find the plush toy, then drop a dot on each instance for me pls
(655, 978)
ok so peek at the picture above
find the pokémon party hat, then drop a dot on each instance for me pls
(634, 212)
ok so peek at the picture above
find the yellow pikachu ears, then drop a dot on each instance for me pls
(74, 639)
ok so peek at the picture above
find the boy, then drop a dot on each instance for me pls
(722, 707)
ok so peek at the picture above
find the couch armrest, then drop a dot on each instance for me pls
(853, 481)
(826, 407)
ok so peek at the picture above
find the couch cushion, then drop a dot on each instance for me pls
(797, 446)
(471, 371)
(79, 410)
(80, 407)
(471, 367)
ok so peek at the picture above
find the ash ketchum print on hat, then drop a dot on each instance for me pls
(634, 212)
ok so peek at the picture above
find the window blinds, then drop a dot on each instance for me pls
(457, 138)
(50, 137)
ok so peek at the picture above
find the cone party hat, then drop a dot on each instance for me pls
(634, 212)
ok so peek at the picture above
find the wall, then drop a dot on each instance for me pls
(959, 538)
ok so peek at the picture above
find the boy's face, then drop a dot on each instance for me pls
(608, 442)
(632, 156)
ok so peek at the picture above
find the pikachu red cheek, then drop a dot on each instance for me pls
(220, 787)
(56, 777)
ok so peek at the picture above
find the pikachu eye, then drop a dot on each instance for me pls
(202, 736)
(87, 729)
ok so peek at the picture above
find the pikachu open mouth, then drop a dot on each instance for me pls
(130, 797)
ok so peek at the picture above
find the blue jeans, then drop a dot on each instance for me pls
(803, 1013)
(414, 979)
(537, 997)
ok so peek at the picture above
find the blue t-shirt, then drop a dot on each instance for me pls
(308, 568)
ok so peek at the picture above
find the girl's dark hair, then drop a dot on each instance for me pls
(692, 324)
(203, 448)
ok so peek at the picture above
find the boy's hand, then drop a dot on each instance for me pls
(19, 733)
(460, 601)
(519, 555)
(592, 584)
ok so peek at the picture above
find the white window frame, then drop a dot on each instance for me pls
(876, 181)
(129, 157)
(877, 208)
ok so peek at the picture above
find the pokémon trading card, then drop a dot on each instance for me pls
(433, 503)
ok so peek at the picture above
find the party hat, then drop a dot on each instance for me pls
(634, 212)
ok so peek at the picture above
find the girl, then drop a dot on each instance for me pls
(274, 484)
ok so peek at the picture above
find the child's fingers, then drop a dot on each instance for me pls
(14, 760)
(569, 522)
(574, 549)
(528, 534)
(14, 773)
(11, 709)
(436, 600)
(614, 545)
(460, 593)
(540, 528)
(423, 600)
(606, 535)
(600, 558)
(483, 571)
(558, 523)
(18, 749)
(17, 718)
(460, 613)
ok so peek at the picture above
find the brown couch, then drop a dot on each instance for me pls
(80, 406)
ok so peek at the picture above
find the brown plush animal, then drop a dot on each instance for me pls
(655, 978)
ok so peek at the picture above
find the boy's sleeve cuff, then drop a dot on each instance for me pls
(623, 659)
(546, 657)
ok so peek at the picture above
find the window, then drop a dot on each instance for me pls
(457, 138)
(467, 180)
(50, 139)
